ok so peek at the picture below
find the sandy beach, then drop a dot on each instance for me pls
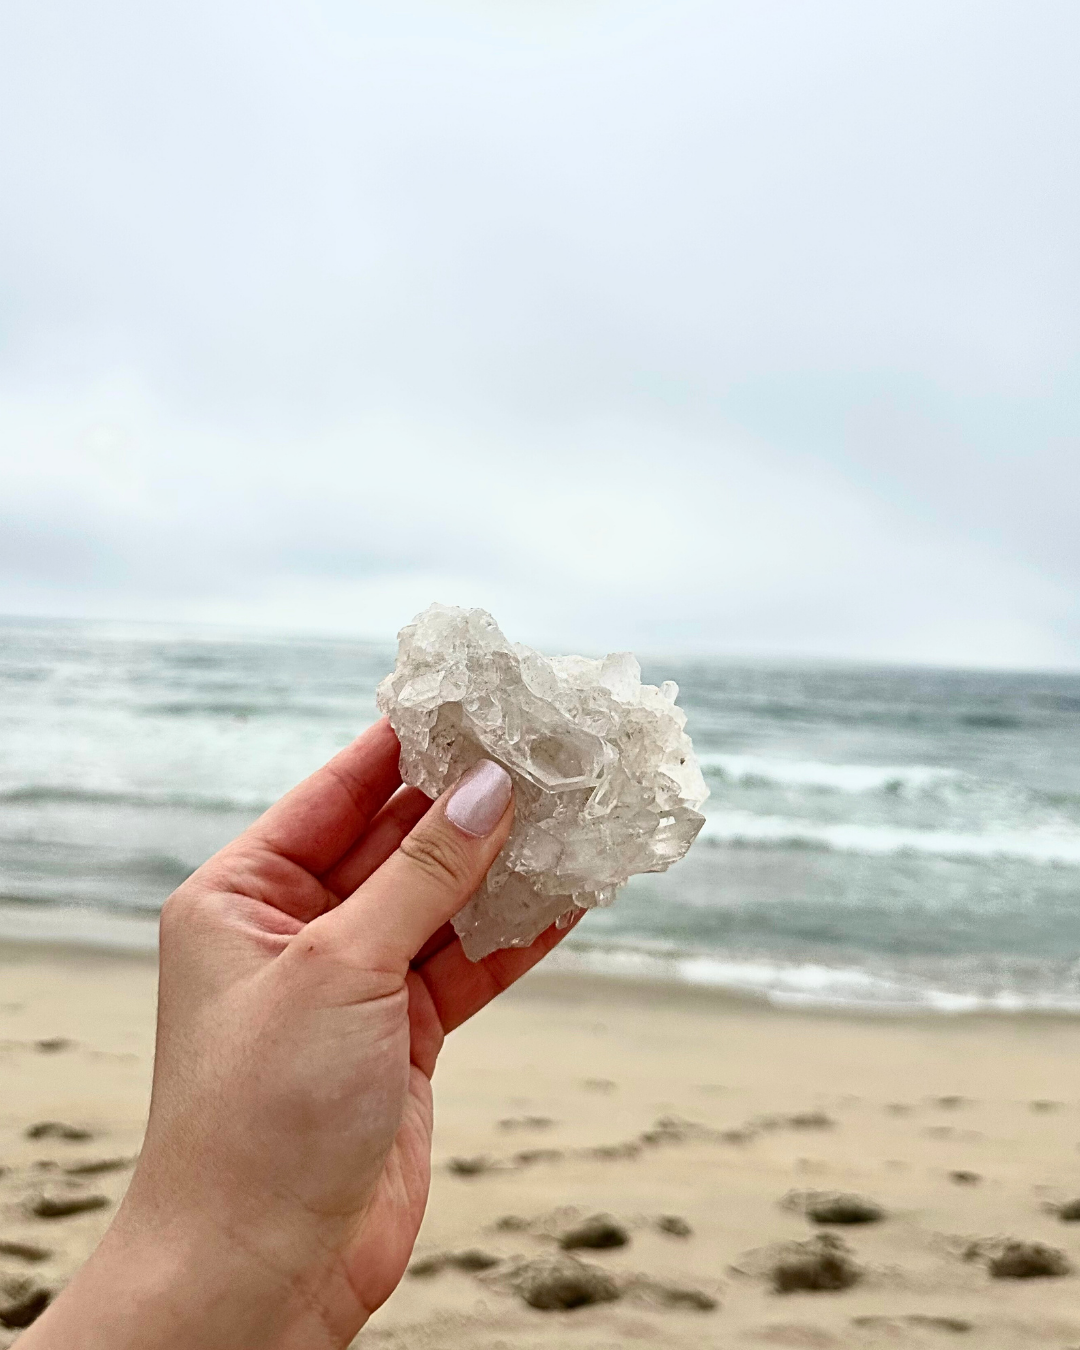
(578, 1096)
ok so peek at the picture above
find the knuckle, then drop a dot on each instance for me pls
(439, 858)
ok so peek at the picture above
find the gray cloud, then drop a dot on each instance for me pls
(722, 326)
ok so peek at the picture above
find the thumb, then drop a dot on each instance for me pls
(433, 872)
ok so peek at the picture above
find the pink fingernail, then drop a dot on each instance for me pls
(478, 801)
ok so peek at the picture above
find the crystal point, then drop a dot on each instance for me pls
(605, 779)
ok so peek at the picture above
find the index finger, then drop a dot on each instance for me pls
(316, 823)
(459, 987)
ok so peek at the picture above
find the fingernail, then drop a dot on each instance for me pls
(478, 801)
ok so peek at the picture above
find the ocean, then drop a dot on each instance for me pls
(894, 838)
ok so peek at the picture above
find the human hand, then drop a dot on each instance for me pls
(308, 976)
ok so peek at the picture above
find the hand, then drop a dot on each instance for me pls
(308, 976)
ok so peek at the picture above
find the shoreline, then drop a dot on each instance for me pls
(77, 928)
(585, 973)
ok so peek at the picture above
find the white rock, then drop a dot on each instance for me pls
(605, 779)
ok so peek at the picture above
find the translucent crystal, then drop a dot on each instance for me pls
(605, 779)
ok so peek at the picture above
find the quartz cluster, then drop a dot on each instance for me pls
(605, 779)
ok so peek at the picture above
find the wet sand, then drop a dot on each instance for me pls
(576, 1096)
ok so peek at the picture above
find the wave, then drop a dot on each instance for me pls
(46, 794)
(918, 717)
(67, 925)
(800, 984)
(753, 771)
(243, 712)
(785, 984)
(743, 827)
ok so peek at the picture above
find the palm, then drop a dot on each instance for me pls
(336, 830)
(377, 1257)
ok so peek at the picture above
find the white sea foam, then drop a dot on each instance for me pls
(812, 773)
(82, 926)
(808, 984)
(1041, 846)
(800, 985)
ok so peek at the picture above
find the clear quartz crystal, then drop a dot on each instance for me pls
(605, 779)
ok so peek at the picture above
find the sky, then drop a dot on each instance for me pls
(749, 328)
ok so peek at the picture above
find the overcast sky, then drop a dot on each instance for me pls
(750, 327)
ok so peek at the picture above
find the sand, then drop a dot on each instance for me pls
(776, 1099)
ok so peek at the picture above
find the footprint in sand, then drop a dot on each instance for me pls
(57, 1129)
(511, 1223)
(22, 1301)
(829, 1208)
(24, 1251)
(664, 1294)
(821, 1264)
(560, 1281)
(629, 1148)
(62, 1204)
(1013, 1259)
(824, 1264)
(597, 1232)
(557, 1282)
(797, 1335)
(469, 1167)
(527, 1156)
(469, 1261)
(929, 1321)
(95, 1166)
(674, 1226)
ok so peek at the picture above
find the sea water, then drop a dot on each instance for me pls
(886, 837)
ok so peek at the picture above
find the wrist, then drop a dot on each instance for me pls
(178, 1288)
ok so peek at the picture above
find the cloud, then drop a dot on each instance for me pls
(713, 326)
(590, 537)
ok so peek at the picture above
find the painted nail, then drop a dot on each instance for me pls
(478, 801)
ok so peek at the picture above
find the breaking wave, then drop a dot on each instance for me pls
(752, 771)
(746, 828)
(806, 984)
(57, 795)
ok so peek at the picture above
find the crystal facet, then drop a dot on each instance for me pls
(605, 779)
